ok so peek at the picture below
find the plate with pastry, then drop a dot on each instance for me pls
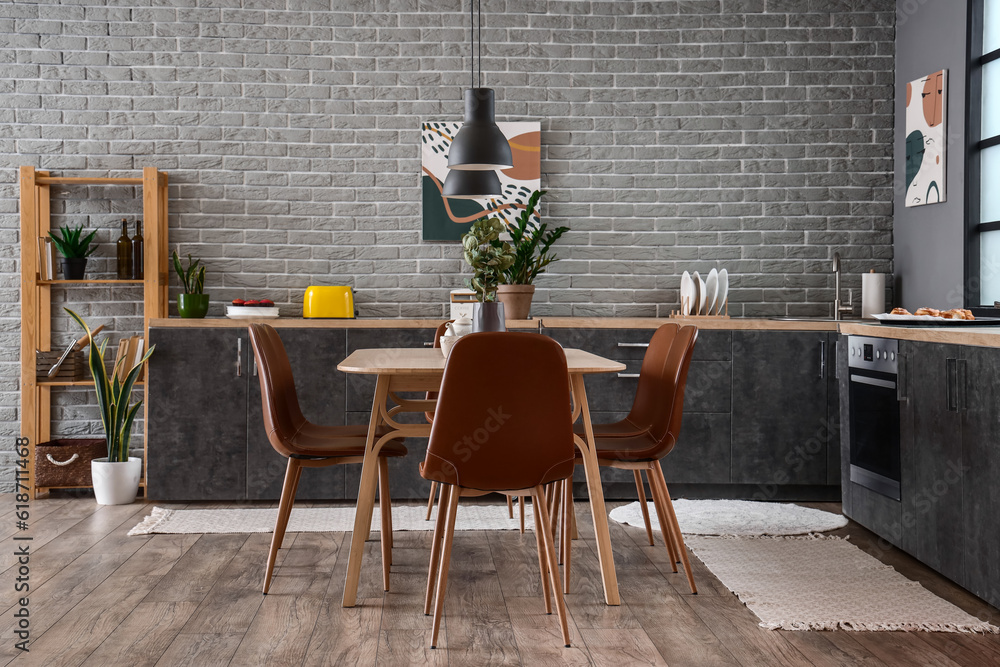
(933, 317)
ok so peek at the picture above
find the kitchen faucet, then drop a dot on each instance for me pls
(838, 309)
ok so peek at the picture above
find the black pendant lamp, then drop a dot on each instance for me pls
(467, 184)
(480, 147)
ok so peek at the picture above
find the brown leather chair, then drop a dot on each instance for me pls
(650, 431)
(500, 429)
(308, 445)
(431, 395)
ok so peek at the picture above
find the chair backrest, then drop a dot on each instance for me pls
(282, 416)
(503, 419)
(659, 397)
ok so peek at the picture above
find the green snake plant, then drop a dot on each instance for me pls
(193, 278)
(113, 394)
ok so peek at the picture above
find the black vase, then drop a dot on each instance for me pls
(73, 268)
(488, 316)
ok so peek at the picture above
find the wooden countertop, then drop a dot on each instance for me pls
(736, 323)
(961, 335)
(302, 323)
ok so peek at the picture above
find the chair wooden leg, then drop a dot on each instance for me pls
(567, 531)
(385, 510)
(510, 507)
(658, 475)
(292, 473)
(560, 521)
(661, 517)
(442, 583)
(536, 502)
(642, 505)
(430, 500)
(554, 509)
(432, 570)
(550, 551)
(520, 506)
(574, 534)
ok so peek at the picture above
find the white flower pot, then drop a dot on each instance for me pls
(116, 483)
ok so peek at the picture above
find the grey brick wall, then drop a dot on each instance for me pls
(751, 134)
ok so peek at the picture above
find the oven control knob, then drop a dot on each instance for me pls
(878, 354)
(892, 356)
(854, 351)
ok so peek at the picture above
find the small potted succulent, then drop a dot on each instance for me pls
(74, 250)
(531, 256)
(489, 257)
(116, 476)
(193, 302)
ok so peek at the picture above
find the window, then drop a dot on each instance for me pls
(983, 175)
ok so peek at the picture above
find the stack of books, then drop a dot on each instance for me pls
(46, 258)
(130, 350)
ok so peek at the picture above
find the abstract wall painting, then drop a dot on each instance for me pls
(448, 219)
(926, 134)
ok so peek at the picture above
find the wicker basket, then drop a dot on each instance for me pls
(66, 462)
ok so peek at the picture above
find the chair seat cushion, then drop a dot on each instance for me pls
(317, 440)
(620, 429)
(637, 448)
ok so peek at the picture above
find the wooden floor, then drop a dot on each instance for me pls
(101, 598)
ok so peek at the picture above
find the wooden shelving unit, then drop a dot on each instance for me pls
(36, 294)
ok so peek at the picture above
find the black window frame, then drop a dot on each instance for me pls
(975, 144)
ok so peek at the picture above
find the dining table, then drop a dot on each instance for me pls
(405, 370)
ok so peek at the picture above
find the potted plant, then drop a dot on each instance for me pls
(116, 476)
(74, 250)
(193, 302)
(531, 256)
(489, 257)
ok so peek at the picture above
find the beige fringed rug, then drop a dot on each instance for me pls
(825, 583)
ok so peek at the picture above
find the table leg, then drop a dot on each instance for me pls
(366, 496)
(596, 493)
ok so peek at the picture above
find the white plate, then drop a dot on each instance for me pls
(720, 302)
(687, 294)
(712, 285)
(699, 301)
(251, 312)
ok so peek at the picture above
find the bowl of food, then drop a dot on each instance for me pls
(252, 309)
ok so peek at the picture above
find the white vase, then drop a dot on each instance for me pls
(116, 483)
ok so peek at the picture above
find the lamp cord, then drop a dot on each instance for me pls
(472, 45)
(479, 3)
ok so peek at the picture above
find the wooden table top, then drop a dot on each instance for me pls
(424, 361)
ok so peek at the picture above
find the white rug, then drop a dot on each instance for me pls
(737, 517)
(826, 583)
(472, 516)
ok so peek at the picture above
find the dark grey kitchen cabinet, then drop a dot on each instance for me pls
(780, 407)
(979, 396)
(833, 422)
(197, 420)
(313, 355)
(931, 457)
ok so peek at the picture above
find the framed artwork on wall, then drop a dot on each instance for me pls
(448, 219)
(926, 135)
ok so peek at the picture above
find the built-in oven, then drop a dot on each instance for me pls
(874, 414)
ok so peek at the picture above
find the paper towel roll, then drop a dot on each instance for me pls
(872, 294)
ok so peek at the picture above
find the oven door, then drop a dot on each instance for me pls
(875, 431)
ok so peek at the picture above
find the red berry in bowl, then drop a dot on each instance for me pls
(266, 302)
(251, 303)
(239, 302)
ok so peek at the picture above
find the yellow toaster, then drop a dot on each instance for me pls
(328, 301)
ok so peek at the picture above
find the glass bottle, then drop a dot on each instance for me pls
(137, 250)
(124, 253)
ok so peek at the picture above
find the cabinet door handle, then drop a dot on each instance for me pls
(628, 375)
(822, 359)
(254, 362)
(963, 384)
(239, 357)
(633, 344)
(951, 383)
(902, 377)
(428, 343)
(836, 359)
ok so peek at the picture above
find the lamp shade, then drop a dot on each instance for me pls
(479, 144)
(460, 184)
